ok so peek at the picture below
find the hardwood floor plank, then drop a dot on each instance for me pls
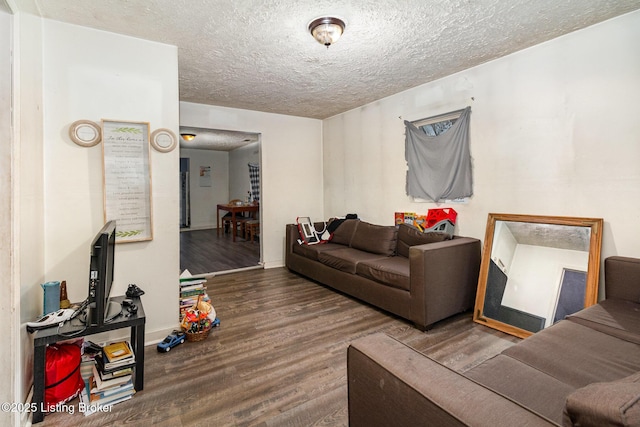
(333, 413)
(203, 251)
(278, 358)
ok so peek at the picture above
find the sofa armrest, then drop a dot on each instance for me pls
(290, 238)
(443, 279)
(622, 278)
(390, 383)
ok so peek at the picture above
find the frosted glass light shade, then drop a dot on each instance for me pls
(327, 30)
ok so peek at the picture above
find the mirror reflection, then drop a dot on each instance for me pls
(536, 270)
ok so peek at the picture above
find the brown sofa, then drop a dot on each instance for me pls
(422, 277)
(582, 371)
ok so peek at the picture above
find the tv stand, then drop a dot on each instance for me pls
(74, 329)
(113, 310)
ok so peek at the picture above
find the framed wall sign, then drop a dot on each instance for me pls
(127, 179)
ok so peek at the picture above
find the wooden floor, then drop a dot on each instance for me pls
(203, 251)
(278, 358)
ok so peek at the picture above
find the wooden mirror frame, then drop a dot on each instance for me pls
(593, 265)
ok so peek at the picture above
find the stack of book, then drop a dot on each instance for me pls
(86, 370)
(111, 381)
(190, 289)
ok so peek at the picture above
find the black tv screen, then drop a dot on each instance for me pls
(101, 309)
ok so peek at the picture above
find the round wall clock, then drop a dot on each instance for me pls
(85, 133)
(163, 140)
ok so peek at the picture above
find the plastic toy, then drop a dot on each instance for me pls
(173, 339)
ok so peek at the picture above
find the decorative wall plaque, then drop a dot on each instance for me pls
(163, 140)
(85, 133)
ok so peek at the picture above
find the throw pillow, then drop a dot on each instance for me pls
(410, 236)
(615, 403)
(344, 233)
(376, 239)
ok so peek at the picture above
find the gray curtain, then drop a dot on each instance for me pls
(439, 166)
(254, 178)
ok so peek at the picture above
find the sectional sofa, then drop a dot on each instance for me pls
(422, 277)
(582, 371)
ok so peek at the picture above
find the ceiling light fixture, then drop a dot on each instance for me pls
(188, 136)
(326, 30)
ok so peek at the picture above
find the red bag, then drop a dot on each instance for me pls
(62, 380)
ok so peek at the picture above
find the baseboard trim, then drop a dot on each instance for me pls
(236, 270)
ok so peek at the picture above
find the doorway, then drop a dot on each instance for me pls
(215, 169)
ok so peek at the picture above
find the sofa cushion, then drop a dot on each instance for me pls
(312, 251)
(377, 239)
(392, 271)
(542, 393)
(615, 317)
(615, 403)
(577, 355)
(410, 236)
(345, 259)
(344, 232)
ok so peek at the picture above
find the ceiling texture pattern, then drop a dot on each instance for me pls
(217, 139)
(259, 55)
(566, 237)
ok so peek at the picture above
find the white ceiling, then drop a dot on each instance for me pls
(259, 55)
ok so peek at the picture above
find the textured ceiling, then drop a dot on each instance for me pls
(551, 235)
(259, 55)
(217, 139)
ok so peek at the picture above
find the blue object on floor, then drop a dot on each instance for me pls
(173, 339)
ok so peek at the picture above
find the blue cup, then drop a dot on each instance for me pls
(51, 296)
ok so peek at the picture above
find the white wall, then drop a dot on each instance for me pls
(504, 247)
(29, 237)
(9, 353)
(290, 186)
(205, 199)
(554, 131)
(92, 75)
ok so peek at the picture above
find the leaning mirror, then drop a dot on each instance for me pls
(536, 270)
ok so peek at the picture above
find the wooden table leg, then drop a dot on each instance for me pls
(218, 222)
(233, 222)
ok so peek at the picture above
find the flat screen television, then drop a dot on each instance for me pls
(101, 309)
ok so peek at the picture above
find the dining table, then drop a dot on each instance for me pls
(234, 209)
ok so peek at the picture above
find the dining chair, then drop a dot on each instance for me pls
(251, 229)
(240, 220)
